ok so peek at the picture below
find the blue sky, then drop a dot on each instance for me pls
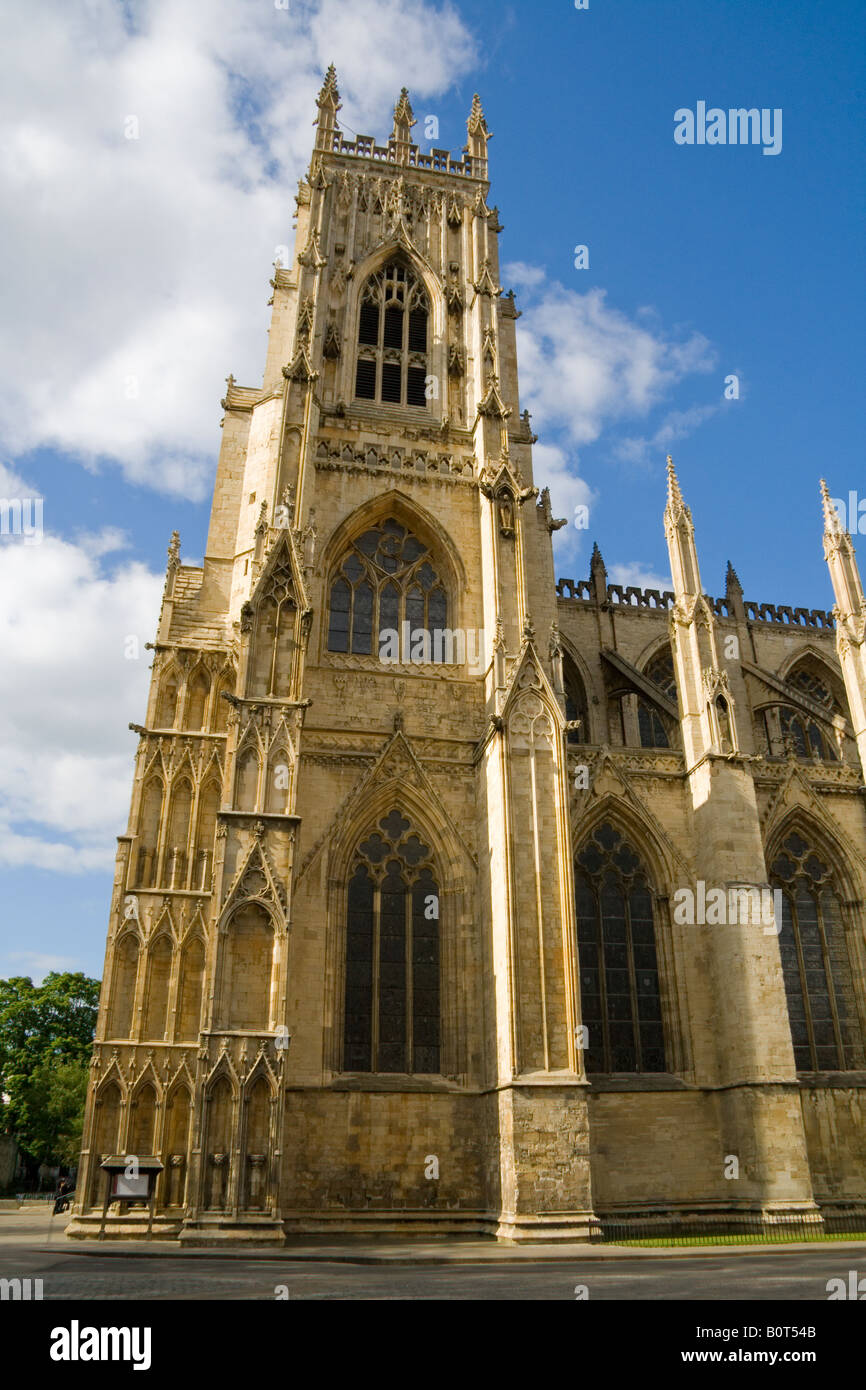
(147, 260)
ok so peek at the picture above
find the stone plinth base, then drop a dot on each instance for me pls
(89, 1227)
(575, 1226)
(226, 1230)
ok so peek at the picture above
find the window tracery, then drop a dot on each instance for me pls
(619, 978)
(386, 579)
(822, 1008)
(393, 338)
(392, 993)
(654, 731)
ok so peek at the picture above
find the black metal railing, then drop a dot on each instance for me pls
(730, 1229)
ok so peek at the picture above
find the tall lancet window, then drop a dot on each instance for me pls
(273, 642)
(385, 581)
(822, 1006)
(391, 1017)
(619, 979)
(393, 338)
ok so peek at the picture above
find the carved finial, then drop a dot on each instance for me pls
(528, 629)
(404, 119)
(328, 102)
(403, 113)
(174, 551)
(675, 496)
(478, 135)
(330, 92)
(598, 576)
(832, 520)
(492, 404)
(477, 124)
(732, 580)
(485, 284)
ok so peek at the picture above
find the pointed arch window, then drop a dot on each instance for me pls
(208, 809)
(121, 1008)
(386, 579)
(191, 980)
(808, 739)
(148, 833)
(221, 706)
(787, 729)
(619, 978)
(806, 679)
(575, 702)
(653, 733)
(825, 1025)
(274, 639)
(391, 1017)
(142, 1120)
(660, 670)
(247, 780)
(158, 978)
(166, 709)
(198, 691)
(108, 1112)
(653, 727)
(248, 969)
(393, 333)
(176, 1147)
(174, 872)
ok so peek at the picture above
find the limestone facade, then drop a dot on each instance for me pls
(395, 943)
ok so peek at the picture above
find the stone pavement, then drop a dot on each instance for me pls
(34, 1228)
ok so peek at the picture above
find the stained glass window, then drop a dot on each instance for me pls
(385, 580)
(619, 977)
(825, 1026)
(392, 1001)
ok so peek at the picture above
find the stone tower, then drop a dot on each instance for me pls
(349, 982)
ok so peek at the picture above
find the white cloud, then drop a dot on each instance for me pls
(586, 366)
(520, 273)
(134, 266)
(586, 371)
(67, 692)
(678, 424)
(640, 575)
(12, 485)
(552, 468)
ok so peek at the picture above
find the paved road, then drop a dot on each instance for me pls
(799, 1276)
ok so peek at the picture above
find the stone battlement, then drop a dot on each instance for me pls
(580, 591)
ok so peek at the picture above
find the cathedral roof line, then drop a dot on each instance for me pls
(638, 600)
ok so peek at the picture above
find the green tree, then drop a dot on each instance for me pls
(46, 1035)
(50, 1107)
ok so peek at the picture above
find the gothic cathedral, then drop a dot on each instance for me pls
(423, 919)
